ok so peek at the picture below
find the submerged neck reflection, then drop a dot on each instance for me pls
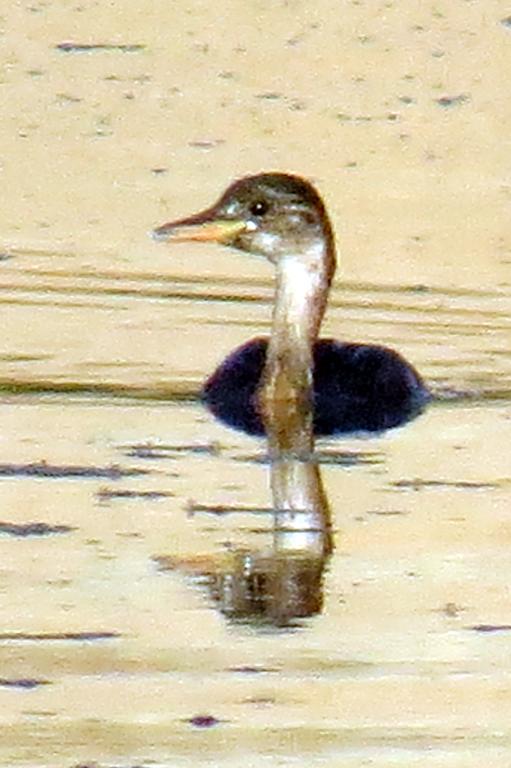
(282, 583)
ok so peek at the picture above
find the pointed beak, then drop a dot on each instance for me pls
(206, 226)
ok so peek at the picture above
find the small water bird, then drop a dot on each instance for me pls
(294, 378)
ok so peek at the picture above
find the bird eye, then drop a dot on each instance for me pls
(259, 208)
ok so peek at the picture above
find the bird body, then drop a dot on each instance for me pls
(356, 388)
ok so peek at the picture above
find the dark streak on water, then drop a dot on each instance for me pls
(453, 101)
(330, 458)
(77, 637)
(203, 721)
(418, 484)
(23, 683)
(387, 512)
(250, 670)
(101, 389)
(218, 510)
(42, 469)
(108, 494)
(162, 451)
(68, 47)
(23, 530)
(7, 358)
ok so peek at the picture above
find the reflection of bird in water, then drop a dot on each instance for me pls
(347, 387)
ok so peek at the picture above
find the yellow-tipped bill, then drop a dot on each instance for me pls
(200, 228)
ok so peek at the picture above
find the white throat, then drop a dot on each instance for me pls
(300, 285)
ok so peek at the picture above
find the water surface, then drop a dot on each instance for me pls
(138, 546)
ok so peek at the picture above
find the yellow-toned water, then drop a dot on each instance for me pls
(142, 577)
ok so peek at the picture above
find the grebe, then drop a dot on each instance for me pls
(294, 377)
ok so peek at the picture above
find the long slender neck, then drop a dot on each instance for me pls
(303, 281)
